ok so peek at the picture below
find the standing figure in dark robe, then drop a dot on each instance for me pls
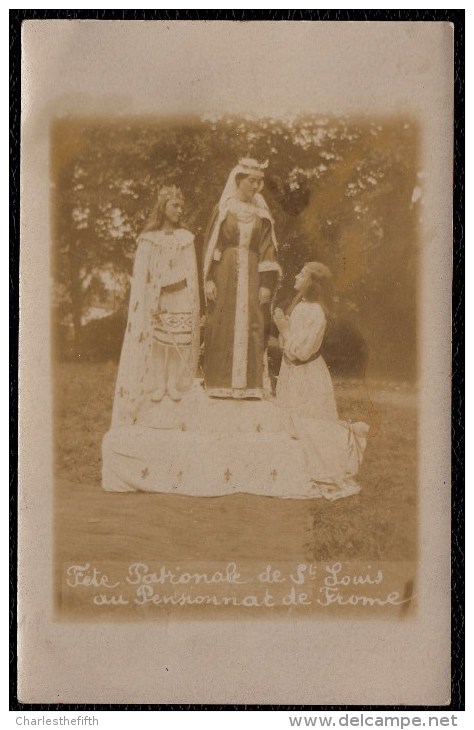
(240, 274)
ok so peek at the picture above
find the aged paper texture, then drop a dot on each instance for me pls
(235, 362)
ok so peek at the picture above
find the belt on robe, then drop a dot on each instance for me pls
(302, 362)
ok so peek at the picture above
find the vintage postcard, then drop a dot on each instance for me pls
(236, 246)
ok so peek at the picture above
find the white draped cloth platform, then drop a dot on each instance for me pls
(209, 447)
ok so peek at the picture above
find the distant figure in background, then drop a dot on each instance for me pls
(304, 382)
(161, 345)
(240, 273)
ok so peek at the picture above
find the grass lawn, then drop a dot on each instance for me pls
(378, 524)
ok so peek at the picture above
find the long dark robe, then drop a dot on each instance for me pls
(244, 260)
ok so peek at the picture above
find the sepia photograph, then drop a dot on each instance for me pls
(236, 305)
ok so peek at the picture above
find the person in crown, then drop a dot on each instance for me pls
(161, 344)
(240, 274)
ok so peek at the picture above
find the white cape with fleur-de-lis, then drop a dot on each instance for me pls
(161, 260)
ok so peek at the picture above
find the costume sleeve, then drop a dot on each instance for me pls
(305, 336)
(141, 278)
(268, 265)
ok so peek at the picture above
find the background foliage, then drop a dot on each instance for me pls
(342, 191)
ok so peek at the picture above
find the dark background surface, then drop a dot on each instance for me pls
(457, 18)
